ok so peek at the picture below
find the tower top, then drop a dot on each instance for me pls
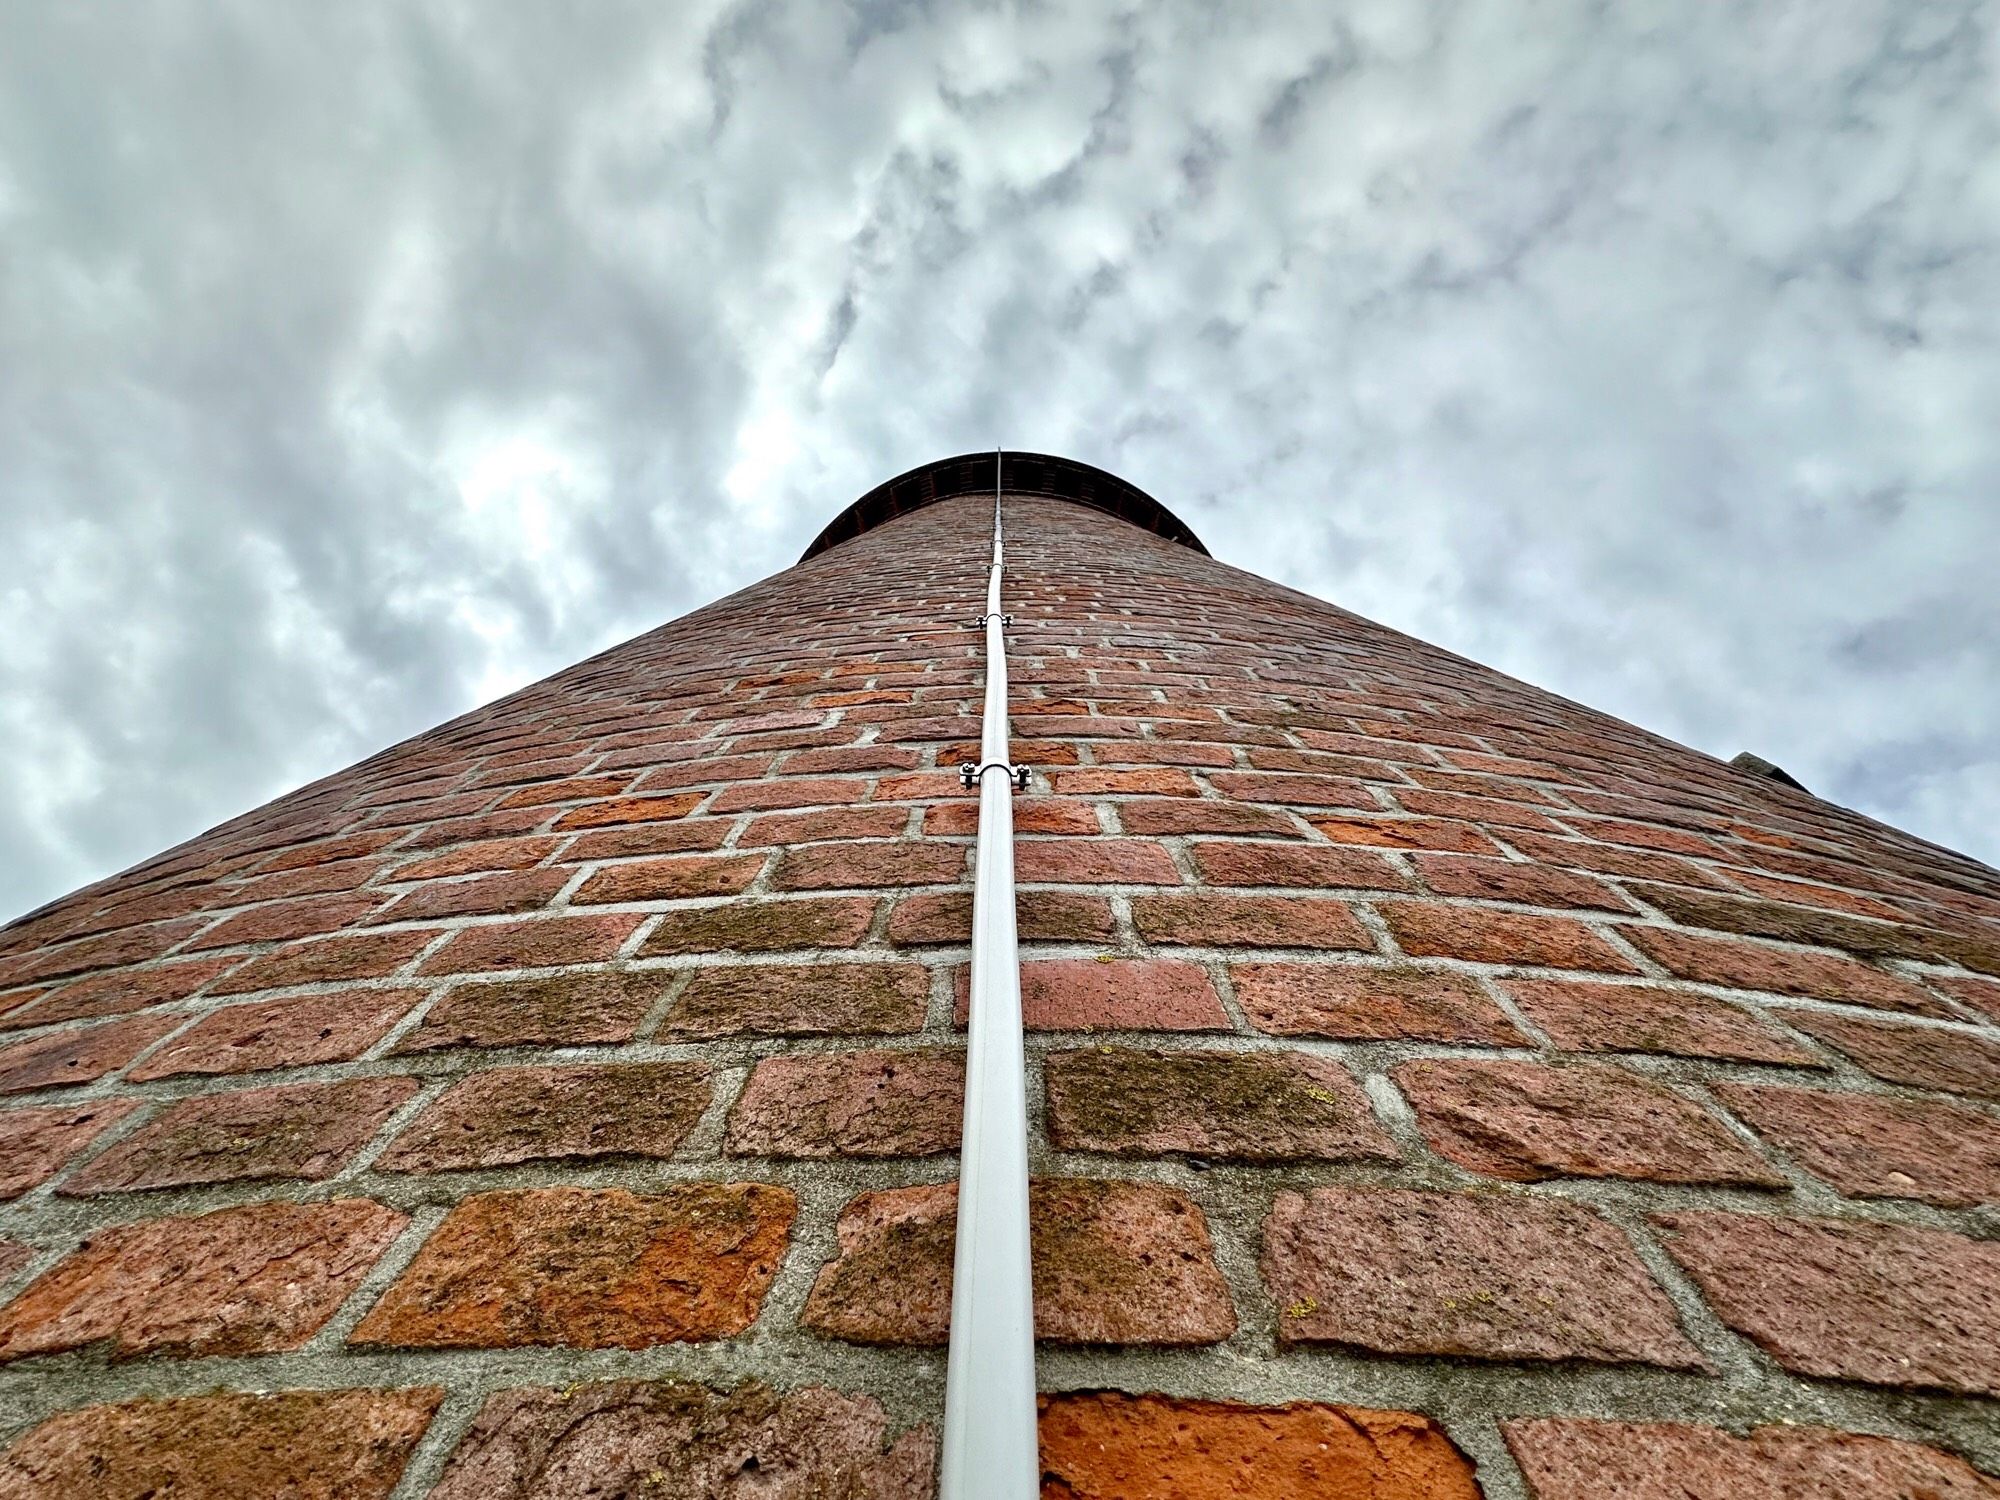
(1020, 474)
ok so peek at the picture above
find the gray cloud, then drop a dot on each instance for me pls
(358, 363)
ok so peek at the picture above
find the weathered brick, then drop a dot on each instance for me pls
(1573, 1458)
(1214, 920)
(1783, 971)
(1871, 1146)
(482, 895)
(688, 836)
(1089, 781)
(1611, 859)
(77, 1056)
(1103, 861)
(1491, 811)
(1231, 819)
(494, 854)
(14, 1258)
(850, 1104)
(1643, 835)
(781, 830)
(1114, 1263)
(623, 810)
(789, 791)
(827, 867)
(1519, 881)
(1112, 994)
(1105, 1445)
(701, 771)
(1526, 1121)
(638, 1439)
(1039, 917)
(249, 1280)
(509, 1115)
(563, 1010)
(1031, 815)
(1406, 833)
(577, 789)
(305, 1130)
(334, 960)
(1925, 1057)
(1296, 865)
(1912, 1308)
(546, 943)
(1229, 1106)
(35, 1144)
(281, 1033)
(1488, 1277)
(302, 1445)
(1980, 994)
(281, 920)
(674, 879)
(120, 993)
(1371, 1003)
(588, 1269)
(762, 926)
(1580, 1015)
(803, 1000)
(1427, 929)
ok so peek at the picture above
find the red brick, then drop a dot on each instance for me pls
(121, 992)
(307, 1130)
(799, 1000)
(1212, 920)
(1226, 1106)
(1296, 865)
(281, 920)
(1113, 994)
(509, 1115)
(702, 772)
(1427, 930)
(636, 1439)
(251, 1280)
(1371, 1003)
(334, 960)
(299, 856)
(843, 758)
(1611, 859)
(920, 786)
(1031, 815)
(689, 836)
(78, 1056)
(1925, 1057)
(1525, 1121)
(133, 945)
(483, 896)
(762, 926)
(303, 1445)
(1237, 819)
(785, 829)
(1571, 1458)
(1579, 1015)
(1490, 811)
(563, 1010)
(1646, 836)
(493, 825)
(603, 1269)
(1101, 861)
(1114, 1263)
(1105, 1445)
(1406, 833)
(824, 867)
(1293, 791)
(580, 789)
(281, 1033)
(1872, 1146)
(1491, 1277)
(1039, 917)
(1520, 881)
(14, 1258)
(1980, 994)
(850, 1104)
(789, 791)
(35, 1144)
(1783, 971)
(495, 854)
(672, 879)
(1816, 895)
(546, 943)
(1089, 781)
(630, 810)
(1916, 1309)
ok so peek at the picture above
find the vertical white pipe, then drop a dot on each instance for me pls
(990, 1449)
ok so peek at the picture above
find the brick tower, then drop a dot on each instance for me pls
(1435, 1088)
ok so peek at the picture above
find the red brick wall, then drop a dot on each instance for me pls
(1436, 1086)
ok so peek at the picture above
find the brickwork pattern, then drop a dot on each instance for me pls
(1436, 1087)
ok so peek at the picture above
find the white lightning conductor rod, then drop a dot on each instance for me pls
(990, 1450)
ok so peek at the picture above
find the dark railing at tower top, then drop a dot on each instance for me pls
(1020, 474)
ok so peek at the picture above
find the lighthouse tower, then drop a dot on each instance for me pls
(1433, 1088)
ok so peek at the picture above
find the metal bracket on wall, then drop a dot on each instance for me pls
(970, 771)
(978, 622)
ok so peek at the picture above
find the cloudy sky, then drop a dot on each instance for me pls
(360, 362)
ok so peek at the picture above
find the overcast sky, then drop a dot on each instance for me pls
(361, 362)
